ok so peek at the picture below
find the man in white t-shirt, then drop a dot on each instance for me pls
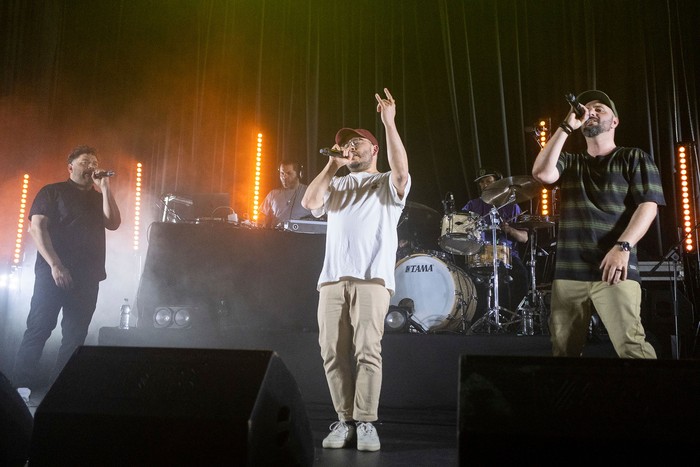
(363, 210)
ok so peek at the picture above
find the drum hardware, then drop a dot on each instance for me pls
(443, 296)
(531, 222)
(532, 308)
(448, 204)
(596, 328)
(496, 318)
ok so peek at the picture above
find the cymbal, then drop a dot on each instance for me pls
(416, 214)
(420, 207)
(511, 190)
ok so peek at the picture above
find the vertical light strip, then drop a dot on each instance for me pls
(684, 161)
(545, 207)
(543, 131)
(21, 217)
(542, 134)
(137, 207)
(258, 170)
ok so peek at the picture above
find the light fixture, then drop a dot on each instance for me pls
(400, 318)
(397, 319)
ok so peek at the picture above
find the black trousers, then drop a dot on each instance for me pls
(78, 305)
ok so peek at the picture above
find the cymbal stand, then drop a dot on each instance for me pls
(532, 305)
(492, 319)
(462, 306)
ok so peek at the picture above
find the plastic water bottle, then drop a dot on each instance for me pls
(125, 315)
(528, 329)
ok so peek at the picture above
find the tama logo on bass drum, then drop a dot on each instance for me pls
(419, 268)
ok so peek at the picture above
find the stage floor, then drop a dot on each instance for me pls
(409, 437)
(419, 414)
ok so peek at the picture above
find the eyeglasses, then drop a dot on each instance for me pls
(353, 143)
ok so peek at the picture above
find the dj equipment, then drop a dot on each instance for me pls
(303, 226)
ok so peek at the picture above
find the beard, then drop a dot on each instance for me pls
(591, 131)
(359, 166)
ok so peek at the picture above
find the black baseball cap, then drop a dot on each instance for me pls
(488, 171)
(595, 95)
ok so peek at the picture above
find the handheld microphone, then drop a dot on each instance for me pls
(328, 152)
(104, 173)
(579, 110)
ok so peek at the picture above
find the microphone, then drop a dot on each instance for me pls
(328, 152)
(449, 204)
(578, 108)
(103, 173)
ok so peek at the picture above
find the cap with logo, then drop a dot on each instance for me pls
(486, 172)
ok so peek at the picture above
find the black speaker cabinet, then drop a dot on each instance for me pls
(577, 411)
(15, 426)
(167, 406)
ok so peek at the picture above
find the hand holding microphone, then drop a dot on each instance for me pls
(569, 125)
(103, 173)
(330, 152)
(579, 109)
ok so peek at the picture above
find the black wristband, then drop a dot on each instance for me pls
(566, 127)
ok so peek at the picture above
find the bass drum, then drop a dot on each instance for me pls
(442, 294)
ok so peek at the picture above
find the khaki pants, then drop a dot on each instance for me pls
(351, 325)
(619, 308)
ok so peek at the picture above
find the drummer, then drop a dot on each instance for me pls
(517, 288)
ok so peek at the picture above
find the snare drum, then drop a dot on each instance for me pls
(441, 293)
(483, 261)
(461, 233)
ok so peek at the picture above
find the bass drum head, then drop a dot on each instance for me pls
(440, 293)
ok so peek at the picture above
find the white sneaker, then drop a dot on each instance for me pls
(341, 434)
(24, 393)
(367, 437)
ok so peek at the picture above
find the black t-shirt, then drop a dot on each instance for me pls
(76, 228)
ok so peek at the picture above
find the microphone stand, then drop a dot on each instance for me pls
(674, 255)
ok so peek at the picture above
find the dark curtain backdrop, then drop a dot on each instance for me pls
(184, 86)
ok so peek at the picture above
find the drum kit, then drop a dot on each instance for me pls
(442, 295)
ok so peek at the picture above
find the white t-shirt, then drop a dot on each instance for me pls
(363, 212)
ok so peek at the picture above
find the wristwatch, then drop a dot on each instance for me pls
(624, 246)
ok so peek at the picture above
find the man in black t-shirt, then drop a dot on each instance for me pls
(67, 222)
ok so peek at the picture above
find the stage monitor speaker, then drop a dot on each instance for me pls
(577, 411)
(15, 426)
(165, 406)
